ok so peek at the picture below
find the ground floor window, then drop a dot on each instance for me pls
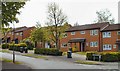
(107, 47)
(114, 46)
(64, 45)
(94, 44)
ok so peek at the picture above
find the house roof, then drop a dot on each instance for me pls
(88, 27)
(22, 29)
(112, 27)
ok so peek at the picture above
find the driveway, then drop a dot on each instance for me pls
(51, 64)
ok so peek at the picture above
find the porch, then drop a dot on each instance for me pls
(77, 43)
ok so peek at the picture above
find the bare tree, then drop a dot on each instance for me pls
(56, 18)
(104, 16)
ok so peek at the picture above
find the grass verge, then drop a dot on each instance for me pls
(35, 56)
(64, 53)
(81, 53)
(5, 51)
(87, 62)
(10, 61)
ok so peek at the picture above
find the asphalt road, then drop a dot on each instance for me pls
(50, 64)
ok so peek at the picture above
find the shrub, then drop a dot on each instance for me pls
(109, 56)
(48, 51)
(30, 45)
(5, 46)
(105, 56)
(22, 45)
(16, 47)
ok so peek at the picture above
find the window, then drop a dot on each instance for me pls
(114, 46)
(64, 45)
(106, 34)
(93, 44)
(86, 44)
(82, 32)
(17, 33)
(12, 33)
(118, 33)
(21, 33)
(72, 33)
(93, 32)
(64, 35)
(107, 47)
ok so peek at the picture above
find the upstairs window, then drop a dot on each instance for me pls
(93, 32)
(106, 34)
(82, 32)
(72, 33)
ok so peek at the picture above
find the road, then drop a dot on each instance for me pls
(50, 64)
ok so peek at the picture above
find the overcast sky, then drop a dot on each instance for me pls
(81, 11)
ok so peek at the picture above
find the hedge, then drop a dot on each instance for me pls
(5, 46)
(16, 47)
(105, 56)
(48, 51)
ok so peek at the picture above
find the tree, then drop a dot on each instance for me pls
(37, 34)
(9, 12)
(104, 16)
(56, 18)
(76, 24)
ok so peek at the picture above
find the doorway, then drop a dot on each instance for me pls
(118, 47)
(82, 47)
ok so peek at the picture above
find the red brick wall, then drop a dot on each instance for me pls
(111, 41)
(89, 38)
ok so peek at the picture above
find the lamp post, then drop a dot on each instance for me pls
(14, 40)
(13, 43)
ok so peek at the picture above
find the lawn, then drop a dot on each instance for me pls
(5, 51)
(35, 56)
(87, 62)
(81, 53)
(10, 61)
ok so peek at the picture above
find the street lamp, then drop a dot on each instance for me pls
(13, 43)
(14, 40)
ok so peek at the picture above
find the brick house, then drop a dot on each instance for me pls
(19, 34)
(92, 37)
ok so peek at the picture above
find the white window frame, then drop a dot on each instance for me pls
(12, 33)
(118, 32)
(17, 33)
(63, 45)
(21, 33)
(114, 46)
(82, 32)
(107, 47)
(93, 32)
(72, 33)
(106, 34)
(94, 44)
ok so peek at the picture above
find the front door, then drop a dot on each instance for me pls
(82, 47)
(118, 47)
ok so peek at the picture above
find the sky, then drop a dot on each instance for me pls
(80, 11)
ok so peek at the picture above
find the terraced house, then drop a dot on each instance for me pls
(92, 37)
(19, 34)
